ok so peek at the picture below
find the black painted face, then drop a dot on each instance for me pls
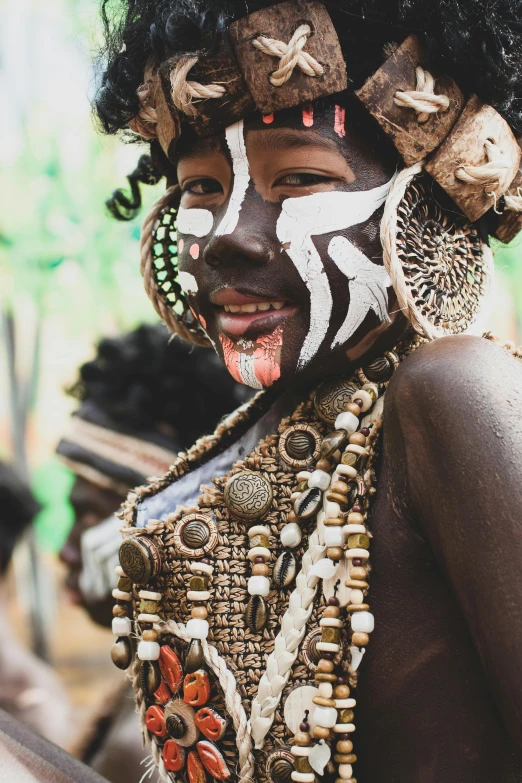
(278, 239)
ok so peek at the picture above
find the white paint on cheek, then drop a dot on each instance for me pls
(367, 284)
(188, 283)
(241, 171)
(315, 215)
(196, 222)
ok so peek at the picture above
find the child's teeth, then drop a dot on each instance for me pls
(263, 306)
(248, 308)
(234, 308)
(277, 305)
(254, 307)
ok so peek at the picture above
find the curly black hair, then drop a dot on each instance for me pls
(478, 42)
(143, 382)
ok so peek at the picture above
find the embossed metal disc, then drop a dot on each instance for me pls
(248, 495)
(280, 765)
(140, 558)
(311, 655)
(300, 445)
(331, 398)
(195, 535)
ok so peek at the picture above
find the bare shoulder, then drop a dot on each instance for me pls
(460, 378)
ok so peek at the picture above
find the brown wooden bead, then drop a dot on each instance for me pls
(150, 636)
(358, 608)
(358, 541)
(325, 465)
(198, 582)
(323, 702)
(120, 611)
(345, 758)
(360, 639)
(148, 607)
(335, 522)
(331, 611)
(341, 487)
(199, 612)
(321, 732)
(324, 666)
(341, 692)
(334, 553)
(124, 583)
(349, 458)
(302, 738)
(355, 518)
(352, 407)
(356, 584)
(344, 746)
(336, 497)
(357, 438)
(301, 764)
(325, 677)
(331, 635)
(260, 569)
(358, 573)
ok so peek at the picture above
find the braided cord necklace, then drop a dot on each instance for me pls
(188, 676)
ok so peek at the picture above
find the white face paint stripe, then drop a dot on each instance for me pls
(188, 282)
(367, 284)
(241, 171)
(196, 222)
(246, 369)
(314, 215)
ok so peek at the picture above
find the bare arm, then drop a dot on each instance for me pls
(458, 404)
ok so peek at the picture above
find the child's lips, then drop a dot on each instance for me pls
(255, 323)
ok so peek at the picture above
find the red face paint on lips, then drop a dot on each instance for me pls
(340, 116)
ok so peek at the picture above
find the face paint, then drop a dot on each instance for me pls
(268, 119)
(340, 116)
(308, 115)
(257, 366)
(194, 251)
(181, 245)
(188, 283)
(236, 144)
(196, 222)
(314, 215)
(367, 285)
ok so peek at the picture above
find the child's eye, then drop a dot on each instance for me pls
(302, 179)
(203, 186)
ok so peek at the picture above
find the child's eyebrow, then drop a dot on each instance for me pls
(200, 148)
(283, 139)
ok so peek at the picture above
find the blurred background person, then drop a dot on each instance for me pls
(143, 399)
(30, 690)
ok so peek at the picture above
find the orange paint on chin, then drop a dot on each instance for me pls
(267, 357)
(194, 251)
(268, 119)
(308, 115)
(198, 317)
(231, 357)
(340, 116)
(181, 245)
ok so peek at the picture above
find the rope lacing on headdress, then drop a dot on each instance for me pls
(184, 93)
(514, 201)
(145, 122)
(491, 174)
(291, 55)
(423, 99)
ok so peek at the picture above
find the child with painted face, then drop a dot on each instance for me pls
(334, 173)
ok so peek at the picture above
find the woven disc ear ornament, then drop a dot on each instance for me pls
(445, 264)
(165, 271)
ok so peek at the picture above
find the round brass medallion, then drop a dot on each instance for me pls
(311, 655)
(280, 765)
(300, 445)
(331, 398)
(140, 558)
(248, 495)
(195, 535)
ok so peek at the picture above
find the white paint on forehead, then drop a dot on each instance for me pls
(321, 213)
(246, 369)
(367, 284)
(236, 144)
(187, 282)
(196, 222)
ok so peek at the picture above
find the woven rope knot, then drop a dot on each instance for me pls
(145, 122)
(291, 55)
(514, 201)
(185, 92)
(423, 99)
(492, 174)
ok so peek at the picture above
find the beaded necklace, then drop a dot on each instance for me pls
(308, 479)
